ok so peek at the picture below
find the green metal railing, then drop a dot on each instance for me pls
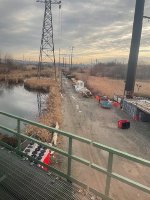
(108, 172)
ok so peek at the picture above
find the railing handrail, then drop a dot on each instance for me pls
(122, 154)
(81, 139)
(109, 172)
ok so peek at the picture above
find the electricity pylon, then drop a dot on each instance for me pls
(47, 51)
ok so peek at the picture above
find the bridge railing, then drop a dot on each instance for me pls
(69, 154)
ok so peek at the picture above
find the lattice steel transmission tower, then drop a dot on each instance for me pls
(47, 51)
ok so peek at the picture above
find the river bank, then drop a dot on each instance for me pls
(28, 79)
(53, 114)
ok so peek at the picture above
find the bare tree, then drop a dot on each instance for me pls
(0, 57)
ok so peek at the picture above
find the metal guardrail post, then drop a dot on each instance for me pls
(69, 157)
(18, 135)
(109, 170)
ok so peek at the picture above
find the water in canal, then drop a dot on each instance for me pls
(18, 101)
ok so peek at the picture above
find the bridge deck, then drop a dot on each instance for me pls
(26, 182)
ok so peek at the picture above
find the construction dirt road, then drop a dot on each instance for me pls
(85, 118)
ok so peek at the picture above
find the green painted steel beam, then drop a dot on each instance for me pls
(18, 134)
(81, 160)
(109, 170)
(122, 179)
(122, 154)
(6, 146)
(8, 129)
(131, 182)
(64, 153)
(9, 115)
(71, 157)
(81, 139)
(98, 168)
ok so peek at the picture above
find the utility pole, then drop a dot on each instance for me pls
(59, 58)
(134, 49)
(96, 61)
(47, 50)
(61, 81)
(91, 63)
(71, 56)
(60, 69)
(69, 61)
(23, 60)
(63, 62)
(0, 58)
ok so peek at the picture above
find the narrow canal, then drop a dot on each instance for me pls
(18, 101)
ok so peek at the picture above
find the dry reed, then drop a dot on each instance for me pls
(42, 84)
(53, 111)
(18, 76)
(109, 87)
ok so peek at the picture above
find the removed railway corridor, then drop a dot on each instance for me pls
(84, 117)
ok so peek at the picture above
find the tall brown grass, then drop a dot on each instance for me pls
(53, 111)
(109, 87)
(18, 76)
(42, 84)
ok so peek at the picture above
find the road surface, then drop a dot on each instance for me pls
(85, 118)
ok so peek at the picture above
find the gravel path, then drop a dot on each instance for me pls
(85, 118)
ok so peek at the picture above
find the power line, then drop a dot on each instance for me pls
(72, 56)
(146, 17)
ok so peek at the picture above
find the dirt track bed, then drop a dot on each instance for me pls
(85, 118)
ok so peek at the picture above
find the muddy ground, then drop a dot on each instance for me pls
(85, 118)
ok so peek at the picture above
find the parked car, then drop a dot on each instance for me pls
(105, 102)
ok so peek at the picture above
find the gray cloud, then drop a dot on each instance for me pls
(89, 25)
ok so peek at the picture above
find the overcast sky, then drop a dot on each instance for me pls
(97, 29)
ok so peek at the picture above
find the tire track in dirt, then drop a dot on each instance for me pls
(100, 125)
